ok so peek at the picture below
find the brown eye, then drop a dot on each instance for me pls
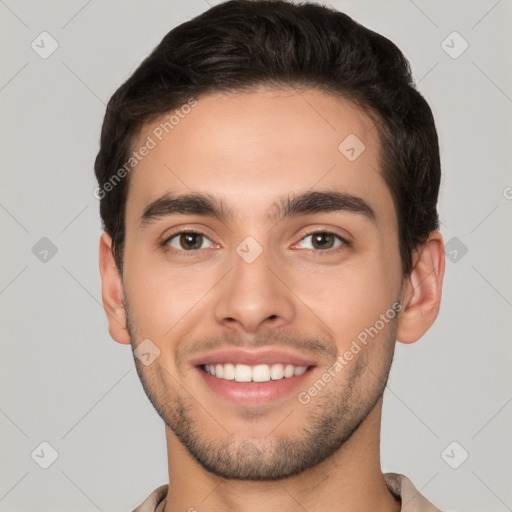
(322, 240)
(187, 241)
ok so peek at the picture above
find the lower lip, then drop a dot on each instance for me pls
(250, 393)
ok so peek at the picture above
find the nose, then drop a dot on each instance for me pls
(254, 295)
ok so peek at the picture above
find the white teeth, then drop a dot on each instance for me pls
(229, 372)
(277, 371)
(299, 370)
(258, 373)
(243, 373)
(261, 373)
(288, 370)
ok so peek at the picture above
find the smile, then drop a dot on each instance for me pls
(257, 373)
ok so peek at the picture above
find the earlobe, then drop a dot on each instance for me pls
(421, 295)
(112, 292)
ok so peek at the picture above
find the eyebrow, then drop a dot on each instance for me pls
(286, 207)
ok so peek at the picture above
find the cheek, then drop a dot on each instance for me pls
(161, 297)
(351, 297)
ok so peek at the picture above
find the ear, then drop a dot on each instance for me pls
(421, 293)
(112, 292)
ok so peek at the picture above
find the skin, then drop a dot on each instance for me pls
(249, 149)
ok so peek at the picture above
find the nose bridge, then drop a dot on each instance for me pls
(252, 295)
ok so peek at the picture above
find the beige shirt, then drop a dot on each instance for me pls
(399, 485)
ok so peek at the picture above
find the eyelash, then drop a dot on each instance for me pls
(344, 242)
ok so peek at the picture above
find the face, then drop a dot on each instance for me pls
(282, 255)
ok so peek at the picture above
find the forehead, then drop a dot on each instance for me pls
(249, 147)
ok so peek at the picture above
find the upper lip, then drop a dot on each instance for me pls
(252, 357)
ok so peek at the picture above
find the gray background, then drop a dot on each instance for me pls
(65, 382)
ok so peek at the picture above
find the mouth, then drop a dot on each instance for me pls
(258, 373)
(254, 378)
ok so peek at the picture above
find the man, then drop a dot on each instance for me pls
(268, 180)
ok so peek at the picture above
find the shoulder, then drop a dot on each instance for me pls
(412, 500)
(153, 500)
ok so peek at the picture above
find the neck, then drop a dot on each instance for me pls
(350, 480)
